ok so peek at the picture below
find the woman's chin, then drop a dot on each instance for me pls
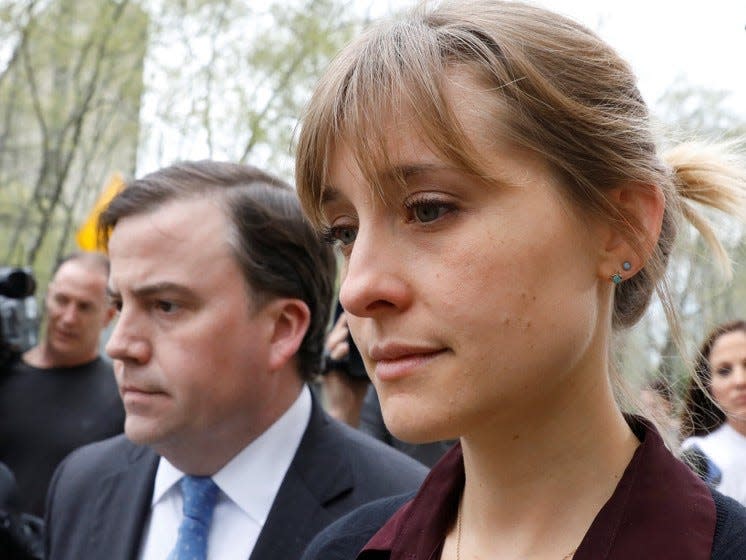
(411, 426)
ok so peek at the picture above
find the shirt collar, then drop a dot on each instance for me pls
(659, 509)
(253, 477)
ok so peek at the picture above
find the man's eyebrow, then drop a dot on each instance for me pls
(153, 289)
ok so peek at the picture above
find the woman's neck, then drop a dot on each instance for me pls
(738, 424)
(535, 482)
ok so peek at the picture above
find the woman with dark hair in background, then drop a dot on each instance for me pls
(714, 417)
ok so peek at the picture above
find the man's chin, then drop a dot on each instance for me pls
(66, 347)
(141, 432)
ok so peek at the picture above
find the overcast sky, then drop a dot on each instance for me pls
(702, 40)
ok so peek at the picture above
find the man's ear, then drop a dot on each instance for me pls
(291, 318)
(634, 237)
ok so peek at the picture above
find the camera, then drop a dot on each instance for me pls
(18, 312)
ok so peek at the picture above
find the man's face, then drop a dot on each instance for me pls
(77, 312)
(193, 346)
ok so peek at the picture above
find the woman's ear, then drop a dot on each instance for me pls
(291, 318)
(632, 239)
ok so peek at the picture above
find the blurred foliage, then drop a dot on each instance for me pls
(88, 86)
(702, 295)
(69, 96)
(248, 71)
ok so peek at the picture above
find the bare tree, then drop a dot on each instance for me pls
(74, 87)
(702, 295)
(238, 76)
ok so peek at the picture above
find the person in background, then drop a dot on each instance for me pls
(343, 382)
(61, 394)
(223, 292)
(714, 416)
(488, 173)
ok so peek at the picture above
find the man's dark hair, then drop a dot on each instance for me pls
(278, 251)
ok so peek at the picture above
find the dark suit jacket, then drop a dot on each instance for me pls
(100, 495)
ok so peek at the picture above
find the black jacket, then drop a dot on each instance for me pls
(100, 495)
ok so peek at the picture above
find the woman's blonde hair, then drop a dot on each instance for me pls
(558, 90)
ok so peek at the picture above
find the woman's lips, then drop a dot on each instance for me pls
(396, 363)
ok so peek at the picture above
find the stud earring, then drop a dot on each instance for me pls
(616, 278)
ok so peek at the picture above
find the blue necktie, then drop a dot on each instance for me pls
(200, 494)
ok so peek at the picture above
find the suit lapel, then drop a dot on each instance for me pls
(122, 507)
(317, 475)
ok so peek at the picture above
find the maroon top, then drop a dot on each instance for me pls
(659, 509)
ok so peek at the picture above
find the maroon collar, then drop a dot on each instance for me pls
(659, 509)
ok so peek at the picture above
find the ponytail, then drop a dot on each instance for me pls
(710, 176)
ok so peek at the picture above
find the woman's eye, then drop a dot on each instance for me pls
(428, 211)
(344, 235)
(723, 371)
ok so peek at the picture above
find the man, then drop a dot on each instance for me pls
(224, 293)
(61, 394)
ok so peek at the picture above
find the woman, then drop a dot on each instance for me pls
(487, 171)
(714, 418)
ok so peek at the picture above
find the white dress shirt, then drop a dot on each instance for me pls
(248, 485)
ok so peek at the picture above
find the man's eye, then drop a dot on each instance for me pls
(166, 306)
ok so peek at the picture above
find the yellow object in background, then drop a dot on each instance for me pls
(87, 236)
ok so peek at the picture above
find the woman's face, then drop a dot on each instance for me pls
(728, 373)
(470, 301)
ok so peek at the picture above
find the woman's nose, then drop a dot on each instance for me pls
(375, 278)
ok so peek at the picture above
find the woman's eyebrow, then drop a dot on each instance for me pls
(329, 194)
(393, 174)
(407, 171)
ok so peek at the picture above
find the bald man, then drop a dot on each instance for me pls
(61, 394)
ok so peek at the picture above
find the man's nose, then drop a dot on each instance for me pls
(129, 341)
(69, 314)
